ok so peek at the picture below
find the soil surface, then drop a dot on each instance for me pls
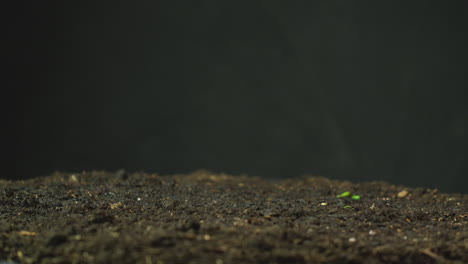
(101, 217)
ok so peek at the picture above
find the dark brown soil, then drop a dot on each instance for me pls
(99, 217)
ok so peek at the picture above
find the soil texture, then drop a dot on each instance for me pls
(103, 217)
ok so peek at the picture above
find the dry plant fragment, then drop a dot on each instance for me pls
(26, 233)
(433, 255)
(402, 193)
(115, 205)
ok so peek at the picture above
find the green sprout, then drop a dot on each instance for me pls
(346, 194)
(343, 194)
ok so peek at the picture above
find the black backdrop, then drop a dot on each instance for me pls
(356, 90)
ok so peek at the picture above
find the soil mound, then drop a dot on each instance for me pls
(102, 217)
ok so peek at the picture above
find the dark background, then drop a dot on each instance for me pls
(356, 90)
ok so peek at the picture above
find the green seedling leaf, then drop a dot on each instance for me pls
(347, 206)
(343, 194)
(356, 197)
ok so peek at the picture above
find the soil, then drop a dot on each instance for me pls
(102, 217)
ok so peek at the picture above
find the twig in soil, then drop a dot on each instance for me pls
(433, 255)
